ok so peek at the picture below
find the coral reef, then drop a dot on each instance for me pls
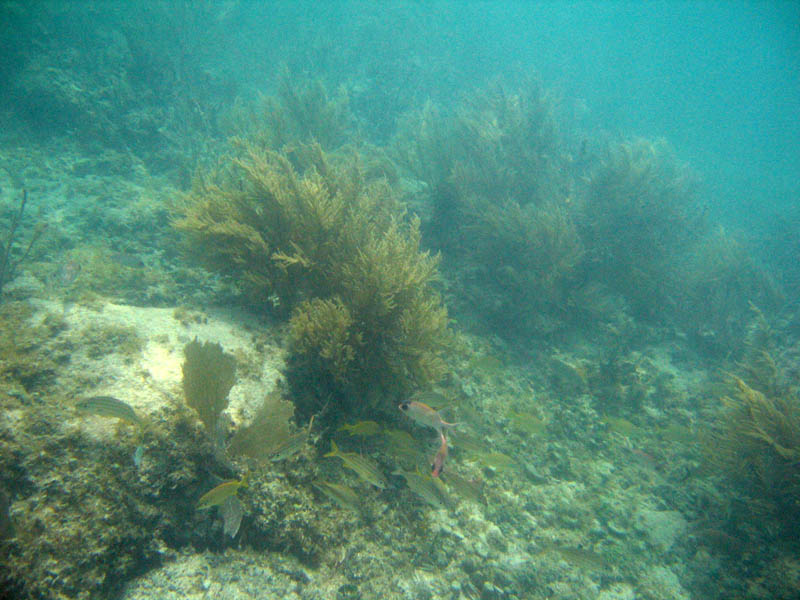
(208, 376)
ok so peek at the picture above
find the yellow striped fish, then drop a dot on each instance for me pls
(364, 467)
(222, 492)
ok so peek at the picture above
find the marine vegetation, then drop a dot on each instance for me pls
(502, 143)
(757, 444)
(530, 254)
(208, 376)
(498, 178)
(639, 217)
(302, 111)
(12, 254)
(269, 435)
(308, 234)
(722, 282)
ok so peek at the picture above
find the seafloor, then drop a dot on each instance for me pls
(574, 503)
(554, 487)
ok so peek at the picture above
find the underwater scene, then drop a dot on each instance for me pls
(399, 300)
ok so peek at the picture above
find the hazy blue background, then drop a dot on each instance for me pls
(719, 80)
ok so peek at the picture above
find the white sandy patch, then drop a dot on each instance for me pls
(151, 379)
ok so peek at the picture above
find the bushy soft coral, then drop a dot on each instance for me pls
(312, 236)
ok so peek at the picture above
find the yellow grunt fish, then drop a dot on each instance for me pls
(222, 492)
(342, 495)
(362, 428)
(364, 467)
(430, 489)
(291, 446)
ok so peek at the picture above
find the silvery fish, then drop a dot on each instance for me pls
(364, 467)
(438, 461)
(67, 273)
(138, 454)
(232, 512)
(470, 489)
(108, 406)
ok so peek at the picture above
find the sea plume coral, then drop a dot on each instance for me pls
(316, 237)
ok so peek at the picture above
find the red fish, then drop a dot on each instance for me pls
(438, 460)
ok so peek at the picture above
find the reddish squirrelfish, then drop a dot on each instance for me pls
(425, 415)
(438, 460)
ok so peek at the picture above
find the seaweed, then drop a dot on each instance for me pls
(722, 281)
(301, 112)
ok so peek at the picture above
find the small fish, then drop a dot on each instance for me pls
(291, 446)
(127, 259)
(232, 512)
(340, 494)
(430, 489)
(425, 415)
(469, 489)
(402, 447)
(138, 454)
(583, 558)
(495, 460)
(438, 460)
(362, 428)
(108, 406)
(6, 526)
(397, 439)
(221, 493)
(364, 467)
(527, 423)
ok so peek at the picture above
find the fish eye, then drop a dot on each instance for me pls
(404, 406)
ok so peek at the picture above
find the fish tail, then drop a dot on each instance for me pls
(334, 450)
(245, 482)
